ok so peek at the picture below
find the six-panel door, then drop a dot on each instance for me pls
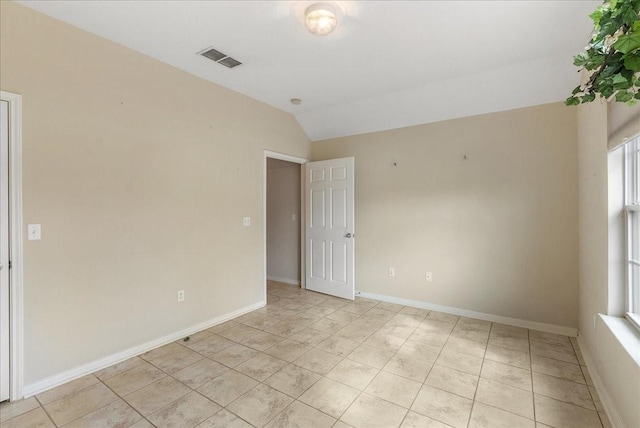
(330, 227)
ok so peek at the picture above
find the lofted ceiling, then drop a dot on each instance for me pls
(389, 64)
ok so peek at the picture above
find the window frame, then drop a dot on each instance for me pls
(632, 229)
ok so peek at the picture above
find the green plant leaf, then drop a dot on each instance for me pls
(623, 96)
(596, 15)
(620, 82)
(627, 74)
(632, 62)
(627, 43)
(629, 15)
(581, 59)
(606, 89)
(595, 60)
(572, 101)
(615, 69)
(608, 28)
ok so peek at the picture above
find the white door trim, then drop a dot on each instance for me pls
(288, 158)
(15, 226)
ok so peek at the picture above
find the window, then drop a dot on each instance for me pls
(632, 212)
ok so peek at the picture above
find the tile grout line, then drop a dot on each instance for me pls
(45, 411)
(362, 391)
(533, 392)
(475, 393)
(424, 383)
(379, 371)
(122, 398)
(425, 378)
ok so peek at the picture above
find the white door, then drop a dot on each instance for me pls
(330, 227)
(4, 250)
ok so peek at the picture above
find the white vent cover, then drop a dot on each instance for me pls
(219, 57)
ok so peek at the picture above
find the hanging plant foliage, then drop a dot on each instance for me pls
(612, 56)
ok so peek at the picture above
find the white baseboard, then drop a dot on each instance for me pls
(549, 328)
(85, 369)
(607, 402)
(285, 280)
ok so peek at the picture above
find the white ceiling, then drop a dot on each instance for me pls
(389, 64)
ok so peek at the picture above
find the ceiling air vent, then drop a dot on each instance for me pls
(219, 57)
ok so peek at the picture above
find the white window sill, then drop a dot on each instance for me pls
(626, 333)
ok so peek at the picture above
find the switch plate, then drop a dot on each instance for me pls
(34, 232)
(429, 276)
(246, 221)
(392, 272)
(293, 217)
(181, 296)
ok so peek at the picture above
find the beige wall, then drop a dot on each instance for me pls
(593, 204)
(612, 367)
(283, 231)
(498, 230)
(140, 175)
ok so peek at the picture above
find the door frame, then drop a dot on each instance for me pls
(294, 159)
(16, 314)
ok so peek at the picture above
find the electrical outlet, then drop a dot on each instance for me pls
(181, 296)
(392, 272)
(429, 276)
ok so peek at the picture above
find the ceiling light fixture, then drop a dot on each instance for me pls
(320, 19)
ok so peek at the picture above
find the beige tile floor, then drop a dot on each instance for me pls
(309, 360)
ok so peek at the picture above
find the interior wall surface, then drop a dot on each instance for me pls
(488, 204)
(140, 175)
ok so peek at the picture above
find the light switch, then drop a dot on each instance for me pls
(246, 221)
(33, 232)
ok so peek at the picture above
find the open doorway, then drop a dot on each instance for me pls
(325, 250)
(283, 219)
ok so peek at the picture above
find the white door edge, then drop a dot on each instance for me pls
(289, 158)
(4, 252)
(16, 337)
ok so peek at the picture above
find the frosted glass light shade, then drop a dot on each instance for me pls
(320, 19)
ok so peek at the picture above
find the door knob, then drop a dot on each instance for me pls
(348, 235)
